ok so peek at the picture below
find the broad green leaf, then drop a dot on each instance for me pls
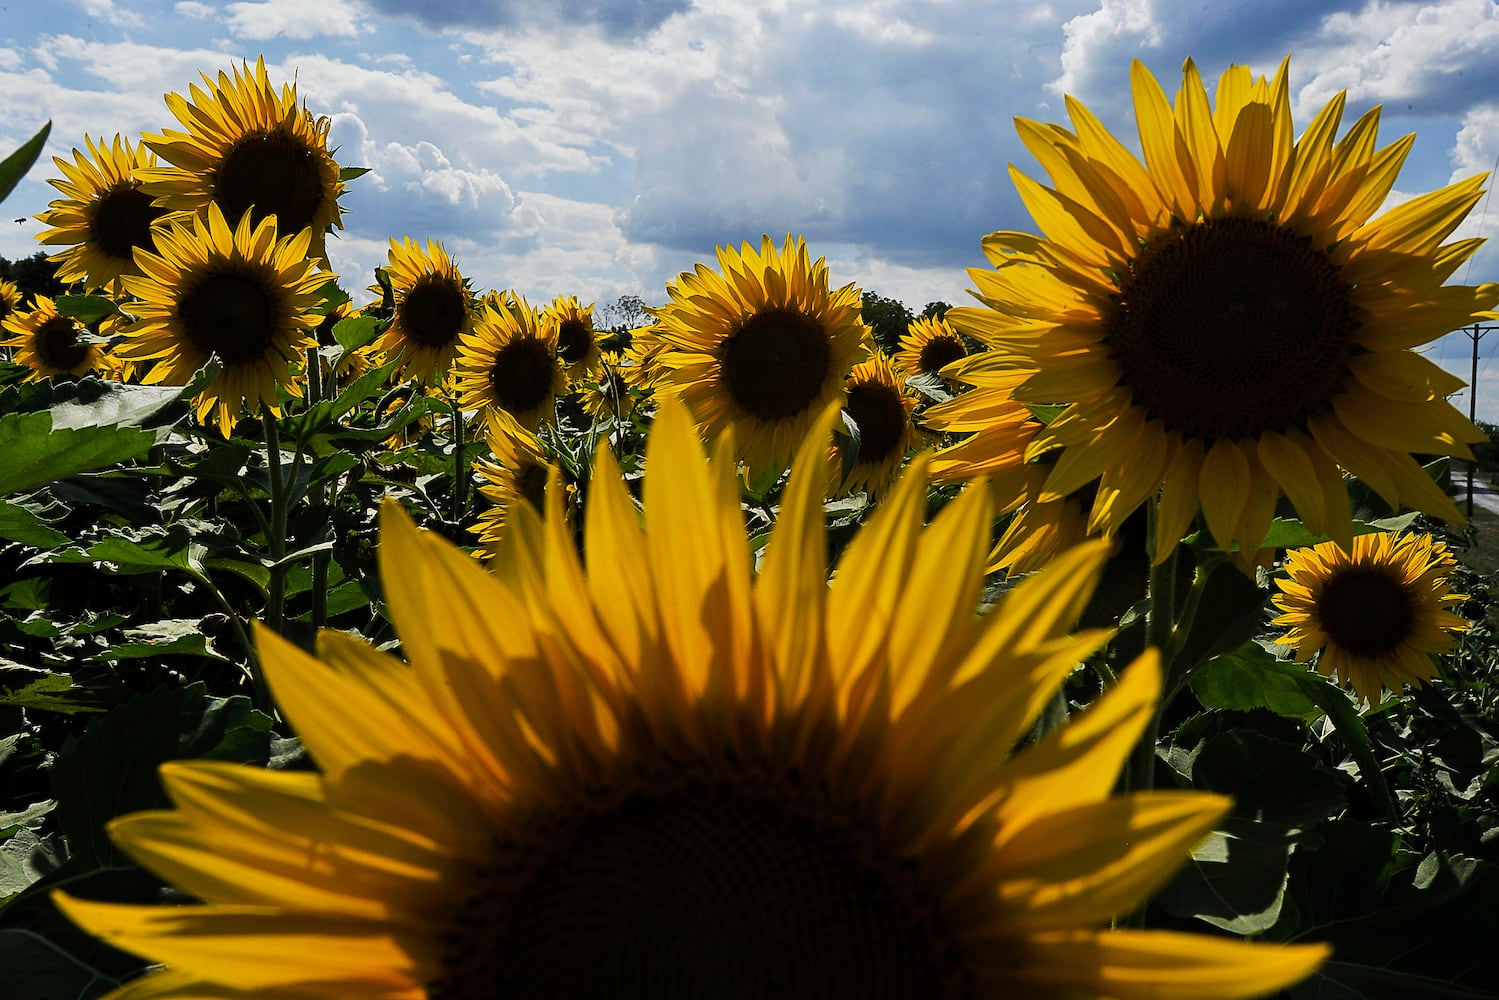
(36, 453)
(1250, 678)
(34, 688)
(87, 309)
(354, 332)
(14, 166)
(20, 524)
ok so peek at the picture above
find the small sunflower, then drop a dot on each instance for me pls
(881, 408)
(761, 346)
(105, 217)
(1225, 322)
(643, 359)
(243, 297)
(577, 341)
(247, 148)
(10, 298)
(52, 345)
(607, 394)
(509, 363)
(518, 475)
(434, 309)
(659, 773)
(1375, 613)
(929, 346)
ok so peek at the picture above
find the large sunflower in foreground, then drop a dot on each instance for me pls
(243, 297)
(1374, 614)
(247, 148)
(433, 309)
(659, 774)
(1225, 322)
(105, 217)
(508, 365)
(761, 345)
(51, 344)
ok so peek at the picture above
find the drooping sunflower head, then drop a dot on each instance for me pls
(518, 474)
(51, 344)
(761, 345)
(608, 394)
(105, 217)
(1225, 322)
(658, 773)
(930, 345)
(1374, 614)
(434, 309)
(881, 408)
(509, 363)
(247, 148)
(245, 297)
(577, 341)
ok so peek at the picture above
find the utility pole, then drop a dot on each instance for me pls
(1475, 333)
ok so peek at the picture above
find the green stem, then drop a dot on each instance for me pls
(460, 471)
(275, 611)
(319, 559)
(1140, 772)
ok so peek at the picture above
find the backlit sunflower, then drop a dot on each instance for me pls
(518, 475)
(50, 344)
(10, 298)
(929, 346)
(577, 341)
(660, 774)
(105, 216)
(761, 345)
(606, 394)
(881, 408)
(243, 297)
(1225, 322)
(509, 363)
(247, 148)
(434, 309)
(1374, 614)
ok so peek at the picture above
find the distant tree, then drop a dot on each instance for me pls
(935, 310)
(627, 311)
(34, 275)
(1486, 453)
(888, 318)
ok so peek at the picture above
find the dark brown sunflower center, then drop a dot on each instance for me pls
(776, 364)
(433, 311)
(58, 346)
(1229, 328)
(122, 221)
(882, 419)
(938, 353)
(574, 338)
(733, 889)
(273, 173)
(521, 376)
(1366, 611)
(232, 314)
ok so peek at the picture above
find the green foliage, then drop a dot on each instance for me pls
(14, 166)
(888, 318)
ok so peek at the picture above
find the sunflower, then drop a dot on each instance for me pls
(1225, 322)
(577, 341)
(10, 298)
(105, 217)
(247, 148)
(434, 309)
(51, 344)
(658, 773)
(881, 408)
(930, 345)
(518, 475)
(761, 346)
(1377, 612)
(244, 297)
(607, 394)
(509, 363)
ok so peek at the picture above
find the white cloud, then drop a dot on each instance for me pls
(293, 19)
(105, 10)
(192, 10)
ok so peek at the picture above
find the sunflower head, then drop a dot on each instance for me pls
(517, 475)
(1226, 321)
(244, 297)
(434, 309)
(881, 408)
(577, 341)
(247, 148)
(10, 298)
(1375, 613)
(761, 345)
(930, 345)
(51, 344)
(105, 216)
(509, 364)
(657, 772)
(608, 394)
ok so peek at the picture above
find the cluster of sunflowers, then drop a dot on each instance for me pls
(634, 754)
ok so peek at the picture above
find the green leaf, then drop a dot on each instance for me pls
(1250, 678)
(86, 309)
(32, 687)
(349, 173)
(1230, 613)
(1290, 533)
(172, 636)
(848, 451)
(151, 550)
(36, 453)
(932, 386)
(1236, 879)
(20, 524)
(354, 332)
(14, 166)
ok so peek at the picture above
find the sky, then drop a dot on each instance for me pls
(598, 148)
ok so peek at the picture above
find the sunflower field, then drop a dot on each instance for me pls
(1111, 636)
